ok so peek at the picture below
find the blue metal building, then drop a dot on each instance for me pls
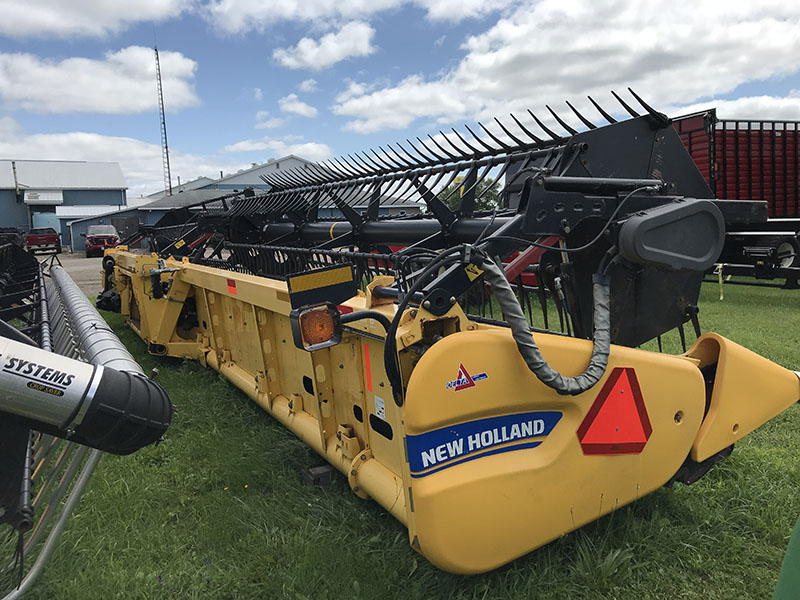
(52, 193)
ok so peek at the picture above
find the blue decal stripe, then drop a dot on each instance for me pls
(469, 458)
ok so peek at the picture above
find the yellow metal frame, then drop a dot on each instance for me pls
(467, 512)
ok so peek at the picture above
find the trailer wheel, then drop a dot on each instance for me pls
(788, 252)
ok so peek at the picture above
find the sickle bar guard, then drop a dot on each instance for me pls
(473, 369)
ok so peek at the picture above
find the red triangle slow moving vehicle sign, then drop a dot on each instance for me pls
(617, 422)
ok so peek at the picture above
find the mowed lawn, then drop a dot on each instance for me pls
(218, 510)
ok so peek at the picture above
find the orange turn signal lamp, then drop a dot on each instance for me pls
(316, 326)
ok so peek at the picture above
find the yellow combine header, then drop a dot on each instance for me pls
(402, 351)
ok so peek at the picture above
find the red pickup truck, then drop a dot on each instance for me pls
(100, 237)
(43, 239)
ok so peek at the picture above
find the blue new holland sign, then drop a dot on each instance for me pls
(449, 446)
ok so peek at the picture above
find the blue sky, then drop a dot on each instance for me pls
(247, 80)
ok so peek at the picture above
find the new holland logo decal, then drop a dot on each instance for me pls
(464, 380)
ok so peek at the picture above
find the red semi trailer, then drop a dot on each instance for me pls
(751, 160)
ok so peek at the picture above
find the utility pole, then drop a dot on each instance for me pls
(164, 145)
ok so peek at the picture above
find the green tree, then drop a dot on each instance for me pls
(487, 195)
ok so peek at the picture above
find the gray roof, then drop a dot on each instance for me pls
(183, 199)
(61, 175)
(184, 187)
(270, 163)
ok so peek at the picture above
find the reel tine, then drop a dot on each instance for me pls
(367, 157)
(480, 141)
(360, 165)
(370, 168)
(439, 146)
(306, 176)
(346, 167)
(300, 179)
(535, 138)
(310, 175)
(335, 170)
(631, 112)
(449, 141)
(661, 117)
(286, 181)
(583, 119)
(465, 142)
(324, 176)
(407, 190)
(400, 162)
(502, 144)
(549, 132)
(281, 182)
(406, 155)
(424, 145)
(508, 133)
(561, 121)
(410, 143)
(266, 179)
(611, 120)
(386, 159)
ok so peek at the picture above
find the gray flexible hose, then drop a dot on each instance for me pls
(530, 352)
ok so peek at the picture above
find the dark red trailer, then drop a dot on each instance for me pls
(750, 159)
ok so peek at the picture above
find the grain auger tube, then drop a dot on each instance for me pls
(473, 367)
(67, 386)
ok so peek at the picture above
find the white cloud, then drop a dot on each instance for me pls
(551, 50)
(354, 89)
(455, 10)
(282, 147)
(749, 107)
(238, 16)
(121, 82)
(308, 86)
(397, 107)
(258, 95)
(264, 121)
(353, 39)
(293, 104)
(140, 160)
(269, 123)
(46, 18)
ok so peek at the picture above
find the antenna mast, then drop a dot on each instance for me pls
(164, 145)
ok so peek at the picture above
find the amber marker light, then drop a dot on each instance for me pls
(316, 327)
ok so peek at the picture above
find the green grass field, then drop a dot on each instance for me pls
(218, 509)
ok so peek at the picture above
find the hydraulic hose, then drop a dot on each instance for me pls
(390, 347)
(528, 349)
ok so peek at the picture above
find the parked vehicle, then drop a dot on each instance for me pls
(11, 235)
(100, 237)
(751, 160)
(43, 239)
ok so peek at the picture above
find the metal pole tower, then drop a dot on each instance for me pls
(164, 145)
